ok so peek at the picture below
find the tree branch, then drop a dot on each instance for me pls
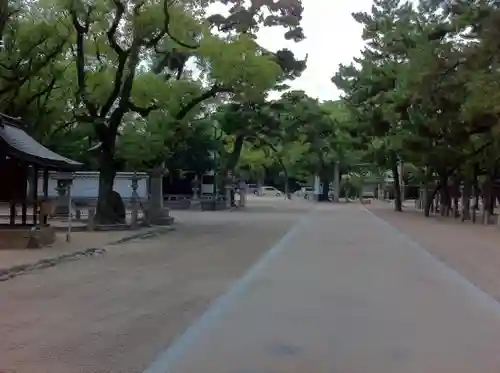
(132, 62)
(166, 27)
(47, 90)
(98, 54)
(4, 15)
(212, 92)
(81, 31)
(14, 68)
(22, 77)
(276, 154)
(111, 33)
(143, 112)
(60, 128)
(122, 59)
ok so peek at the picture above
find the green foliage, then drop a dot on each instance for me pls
(141, 143)
(113, 76)
(294, 135)
(425, 90)
(239, 64)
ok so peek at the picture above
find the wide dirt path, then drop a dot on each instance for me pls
(343, 292)
(114, 313)
(471, 249)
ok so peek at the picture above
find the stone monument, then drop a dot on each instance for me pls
(228, 189)
(243, 193)
(196, 188)
(195, 199)
(64, 181)
(157, 213)
(135, 201)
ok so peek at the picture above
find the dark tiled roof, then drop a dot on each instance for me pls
(23, 146)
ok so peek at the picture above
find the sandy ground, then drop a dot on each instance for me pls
(344, 293)
(114, 313)
(79, 241)
(471, 249)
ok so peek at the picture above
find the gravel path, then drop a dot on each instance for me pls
(343, 292)
(470, 249)
(115, 312)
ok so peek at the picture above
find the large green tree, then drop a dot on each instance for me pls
(424, 91)
(130, 61)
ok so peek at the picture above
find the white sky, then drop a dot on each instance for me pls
(332, 38)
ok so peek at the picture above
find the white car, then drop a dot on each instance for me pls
(270, 191)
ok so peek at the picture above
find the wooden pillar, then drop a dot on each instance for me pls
(12, 213)
(34, 195)
(45, 191)
(45, 183)
(24, 206)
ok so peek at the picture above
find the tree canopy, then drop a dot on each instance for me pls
(150, 84)
(131, 80)
(424, 89)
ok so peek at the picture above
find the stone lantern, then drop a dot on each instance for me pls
(228, 185)
(196, 188)
(63, 203)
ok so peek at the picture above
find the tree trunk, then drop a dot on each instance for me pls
(106, 211)
(398, 202)
(430, 200)
(4, 16)
(336, 182)
(234, 157)
(466, 196)
(487, 199)
(325, 189)
(444, 194)
(477, 191)
(456, 197)
(285, 174)
(490, 193)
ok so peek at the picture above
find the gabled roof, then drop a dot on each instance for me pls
(22, 146)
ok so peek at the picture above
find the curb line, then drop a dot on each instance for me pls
(20, 269)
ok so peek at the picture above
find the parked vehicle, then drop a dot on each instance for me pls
(308, 193)
(252, 188)
(270, 191)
